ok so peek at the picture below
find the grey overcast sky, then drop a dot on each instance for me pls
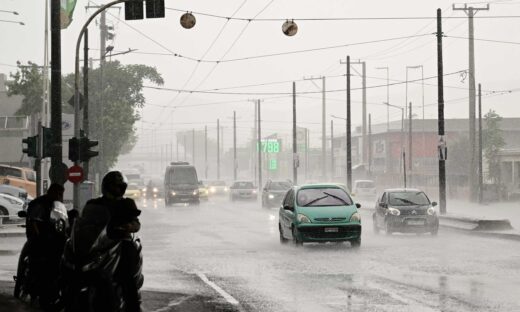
(497, 64)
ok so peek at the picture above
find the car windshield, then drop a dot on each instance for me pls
(323, 197)
(12, 172)
(407, 199)
(183, 175)
(243, 185)
(280, 186)
(365, 184)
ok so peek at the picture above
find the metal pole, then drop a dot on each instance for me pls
(388, 98)
(472, 105)
(410, 138)
(348, 132)
(205, 152)
(185, 146)
(364, 86)
(101, 110)
(323, 133)
(295, 142)
(85, 98)
(234, 145)
(440, 83)
(404, 168)
(259, 144)
(480, 173)
(332, 150)
(218, 149)
(369, 144)
(56, 159)
(45, 103)
(193, 146)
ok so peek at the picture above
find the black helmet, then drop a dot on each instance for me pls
(114, 184)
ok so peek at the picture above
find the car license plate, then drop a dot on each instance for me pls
(331, 230)
(415, 222)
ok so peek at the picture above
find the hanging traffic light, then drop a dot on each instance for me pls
(134, 10)
(73, 149)
(154, 8)
(32, 146)
(84, 149)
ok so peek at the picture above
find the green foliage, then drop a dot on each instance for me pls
(492, 142)
(119, 88)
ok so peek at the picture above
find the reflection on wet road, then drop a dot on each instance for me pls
(236, 246)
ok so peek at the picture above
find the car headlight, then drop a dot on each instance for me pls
(254, 191)
(394, 211)
(226, 189)
(155, 190)
(431, 211)
(303, 218)
(173, 193)
(212, 190)
(271, 196)
(144, 190)
(195, 192)
(355, 217)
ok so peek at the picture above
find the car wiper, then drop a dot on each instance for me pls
(336, 197)
(315, 200)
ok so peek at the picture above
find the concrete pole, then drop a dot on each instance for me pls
(294, 139)
(323, 132)
(234, 145)
(331, 150)
(259, 142)
(218, 149)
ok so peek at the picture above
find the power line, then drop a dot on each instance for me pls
(485, 40)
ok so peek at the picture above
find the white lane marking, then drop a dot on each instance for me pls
(221, 291)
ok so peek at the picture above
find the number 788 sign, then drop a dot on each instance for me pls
(269, 146)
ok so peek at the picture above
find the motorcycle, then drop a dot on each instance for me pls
(29, 266)
(90, 266)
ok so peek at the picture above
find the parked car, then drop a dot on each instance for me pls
(274, 192)
(218, 188)
(243, 190)
(9, 207)
(405, 211)
(20, 177)
(133, 191)
(364, 189)
(319, 213)
(16, 192)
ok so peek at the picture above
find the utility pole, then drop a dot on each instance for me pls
(56, 159)
(205, 152)
(259, 144)
(193, 146)
(296, 160)
(185, 146)
(44, 172)
(442, 142)
(480, 173)
(85, 98)
(234, 145)
(101, 109)
(404, 168)
(364, 110)
(410, 143)
(471, 12)
(332, 150)
(370, 144)
(218, 149)
(348, 135)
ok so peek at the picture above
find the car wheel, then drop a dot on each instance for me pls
(356, 243)
(376, 229)
(296, 240)
(283, 240)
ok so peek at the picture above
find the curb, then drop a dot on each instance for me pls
(12, 231)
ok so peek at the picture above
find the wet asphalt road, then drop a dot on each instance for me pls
(223, 256)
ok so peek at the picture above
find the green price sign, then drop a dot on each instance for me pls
(273, 164)
(270, 146)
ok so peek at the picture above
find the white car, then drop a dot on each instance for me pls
(9, 207)
(364, 189)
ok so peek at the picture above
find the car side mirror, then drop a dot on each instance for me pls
(383, 205)
(434, 204)
(358, 205)
(288, 208)
(22, 214)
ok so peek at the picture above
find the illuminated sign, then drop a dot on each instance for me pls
(270, 146)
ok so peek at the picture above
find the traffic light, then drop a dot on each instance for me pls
(154, 8)
(84, 149)
(47, 142)
(73, 149)
(134, 10)
(32, 146)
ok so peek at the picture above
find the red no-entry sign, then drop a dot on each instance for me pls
(75, 174)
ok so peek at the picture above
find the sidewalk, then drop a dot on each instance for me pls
(11, 230)
(510, 211)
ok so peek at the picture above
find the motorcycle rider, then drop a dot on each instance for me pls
(45, 245)
(120, 217)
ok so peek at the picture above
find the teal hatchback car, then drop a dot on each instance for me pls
(319, 213)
